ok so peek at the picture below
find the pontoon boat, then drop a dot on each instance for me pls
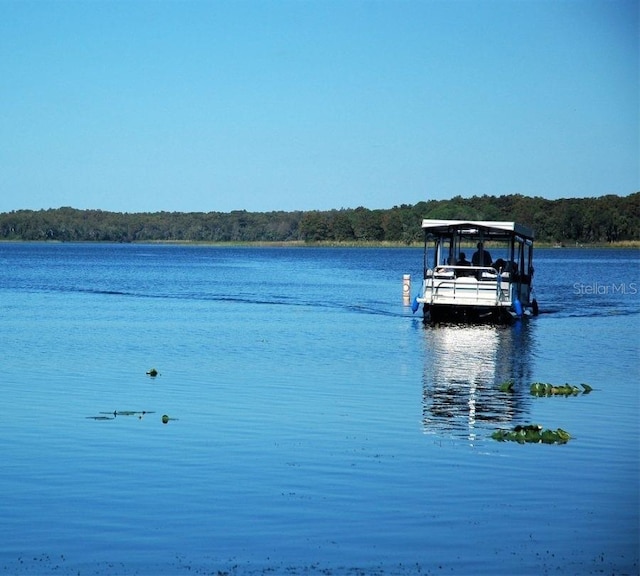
(476, 271)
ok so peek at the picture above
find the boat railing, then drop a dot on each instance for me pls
(467, 283)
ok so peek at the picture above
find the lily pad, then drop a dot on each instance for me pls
(545, 389)
(532, 434)
(507, 386)
(139, 413)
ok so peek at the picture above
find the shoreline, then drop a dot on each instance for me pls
(626, 244)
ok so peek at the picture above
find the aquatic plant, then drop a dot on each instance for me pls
(139, 413)
(507, 386)
(532, 434)
(544, 389)
(116, 413)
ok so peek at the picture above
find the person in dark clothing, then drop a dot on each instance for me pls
(462, 261)
(481, 257)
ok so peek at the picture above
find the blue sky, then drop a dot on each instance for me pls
(301, 105)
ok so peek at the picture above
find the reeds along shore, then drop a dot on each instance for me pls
(633, 244)
(627, 244)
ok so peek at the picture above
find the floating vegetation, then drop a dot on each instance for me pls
(113, 415)
(507, 386)
(532, 434)
(153, 372)
(129, 412)
(543, 389)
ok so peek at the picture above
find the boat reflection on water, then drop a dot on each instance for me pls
(464, 368)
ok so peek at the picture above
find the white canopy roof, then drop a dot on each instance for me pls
(487, 227)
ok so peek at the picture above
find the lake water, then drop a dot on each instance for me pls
(316, 426)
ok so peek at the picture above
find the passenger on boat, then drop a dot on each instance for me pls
(463, 262)
(481, 257)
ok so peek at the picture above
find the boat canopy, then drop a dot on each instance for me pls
(488, 228)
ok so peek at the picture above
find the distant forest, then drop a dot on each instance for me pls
(604, 219)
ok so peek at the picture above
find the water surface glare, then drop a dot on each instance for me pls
(315, 425)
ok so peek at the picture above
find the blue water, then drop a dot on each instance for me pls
(316, 425)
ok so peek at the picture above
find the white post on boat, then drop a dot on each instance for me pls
(406, 289)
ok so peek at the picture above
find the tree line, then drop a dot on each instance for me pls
(604, 219)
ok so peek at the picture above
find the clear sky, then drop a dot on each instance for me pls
(149, 105)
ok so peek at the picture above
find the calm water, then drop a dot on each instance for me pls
(317, 427)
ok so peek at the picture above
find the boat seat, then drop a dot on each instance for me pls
(443, 273)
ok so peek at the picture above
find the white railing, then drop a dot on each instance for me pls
(467, 285)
